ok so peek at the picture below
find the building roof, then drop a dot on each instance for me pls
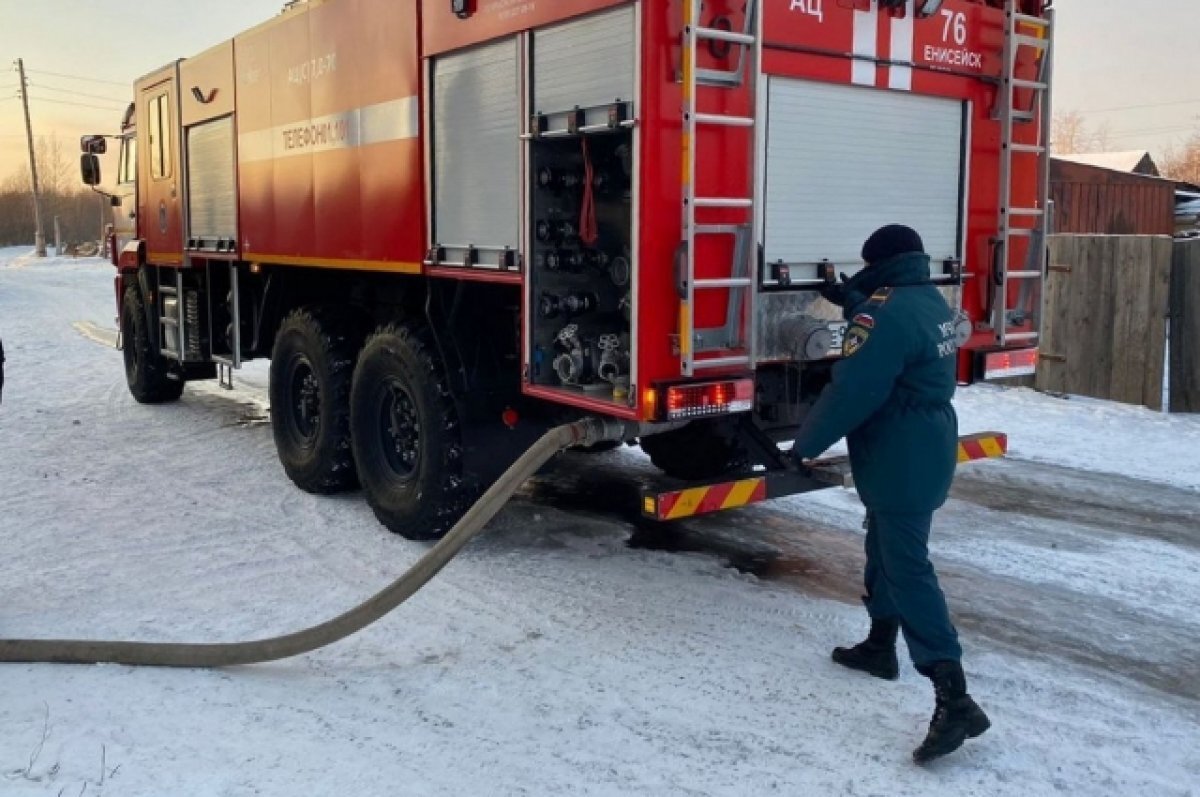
(1136, 161)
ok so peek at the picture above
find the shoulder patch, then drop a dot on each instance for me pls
(856, 338)
(881, 296)
(864, 320)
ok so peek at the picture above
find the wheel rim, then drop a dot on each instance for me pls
(304, 404)
(399, 430)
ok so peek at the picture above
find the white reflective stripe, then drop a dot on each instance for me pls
(866, 45)
(903, 38)
(255, 146)
(395, 120)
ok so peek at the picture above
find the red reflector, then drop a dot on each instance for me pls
(713, 398)
(1001, 364)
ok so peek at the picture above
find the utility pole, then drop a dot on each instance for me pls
(39, 237)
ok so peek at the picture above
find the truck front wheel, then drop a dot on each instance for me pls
(311, 367)
(407, 439)
(146, 371)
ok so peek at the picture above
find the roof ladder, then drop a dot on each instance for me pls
(733, 345)
(1018, 319)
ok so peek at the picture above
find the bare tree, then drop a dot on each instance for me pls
(1071, 133)
(1183, 163)
(1066, 133)
(78, 209)
(54, 167)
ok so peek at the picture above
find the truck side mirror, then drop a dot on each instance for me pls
(95, 145)
(89, 168)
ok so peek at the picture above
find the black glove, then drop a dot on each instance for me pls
(835, 292)
(796, 463)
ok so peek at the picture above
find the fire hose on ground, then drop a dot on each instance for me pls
(587, 432)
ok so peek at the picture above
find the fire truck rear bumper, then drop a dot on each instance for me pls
(710, 497)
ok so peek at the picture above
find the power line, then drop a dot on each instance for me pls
(77, 77)
(74, 93)
(1159, 128)
(54, 83)
(77, 104)
(1156, 132)
(1140, 107)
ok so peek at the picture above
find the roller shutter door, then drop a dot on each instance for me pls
(476, 147)
(843, 160)
(585, 63)
(211, 195)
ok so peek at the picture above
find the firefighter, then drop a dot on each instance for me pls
(890, 396)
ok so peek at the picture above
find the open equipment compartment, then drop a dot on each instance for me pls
(581, 200)
(581, 280)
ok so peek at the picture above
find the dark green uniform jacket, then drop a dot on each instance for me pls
(891, 392)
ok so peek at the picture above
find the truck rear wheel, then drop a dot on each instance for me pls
(311, 370)
(407, 439)
(146, 371)
(700, 450)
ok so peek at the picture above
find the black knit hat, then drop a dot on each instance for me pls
(892, 240)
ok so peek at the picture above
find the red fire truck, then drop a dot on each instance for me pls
(449, 223)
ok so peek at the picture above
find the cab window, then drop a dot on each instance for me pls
(127, 172)
(160, 136)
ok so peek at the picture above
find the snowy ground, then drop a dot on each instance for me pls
(571, 650)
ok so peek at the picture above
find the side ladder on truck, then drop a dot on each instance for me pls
(1021, 322)
(732, 345)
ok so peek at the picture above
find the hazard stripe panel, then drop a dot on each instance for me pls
(707, 499)
(987, 445)
(675, 504)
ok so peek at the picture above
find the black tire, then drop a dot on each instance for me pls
(312, 365)
(700, 450)
(407, 438)
(147, 372)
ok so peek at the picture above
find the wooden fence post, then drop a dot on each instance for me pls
(1185, 327)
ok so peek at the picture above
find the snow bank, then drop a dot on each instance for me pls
(1087, 433)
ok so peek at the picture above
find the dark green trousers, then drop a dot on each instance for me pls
(902, 585)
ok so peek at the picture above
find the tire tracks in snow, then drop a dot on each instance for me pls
(814, 545)
(1107, 504)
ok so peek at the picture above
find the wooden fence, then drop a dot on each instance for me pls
(1185, 328)
(1105, 330)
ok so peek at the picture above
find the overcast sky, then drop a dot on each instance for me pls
(1130, 64)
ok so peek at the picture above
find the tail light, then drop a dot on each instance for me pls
(1003, 364)
(709, 398)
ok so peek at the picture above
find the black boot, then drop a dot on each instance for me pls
(876, 654)
(956, 717)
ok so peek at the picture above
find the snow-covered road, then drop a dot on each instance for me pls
(571, 650)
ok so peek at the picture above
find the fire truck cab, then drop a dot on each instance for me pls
(449, 223)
